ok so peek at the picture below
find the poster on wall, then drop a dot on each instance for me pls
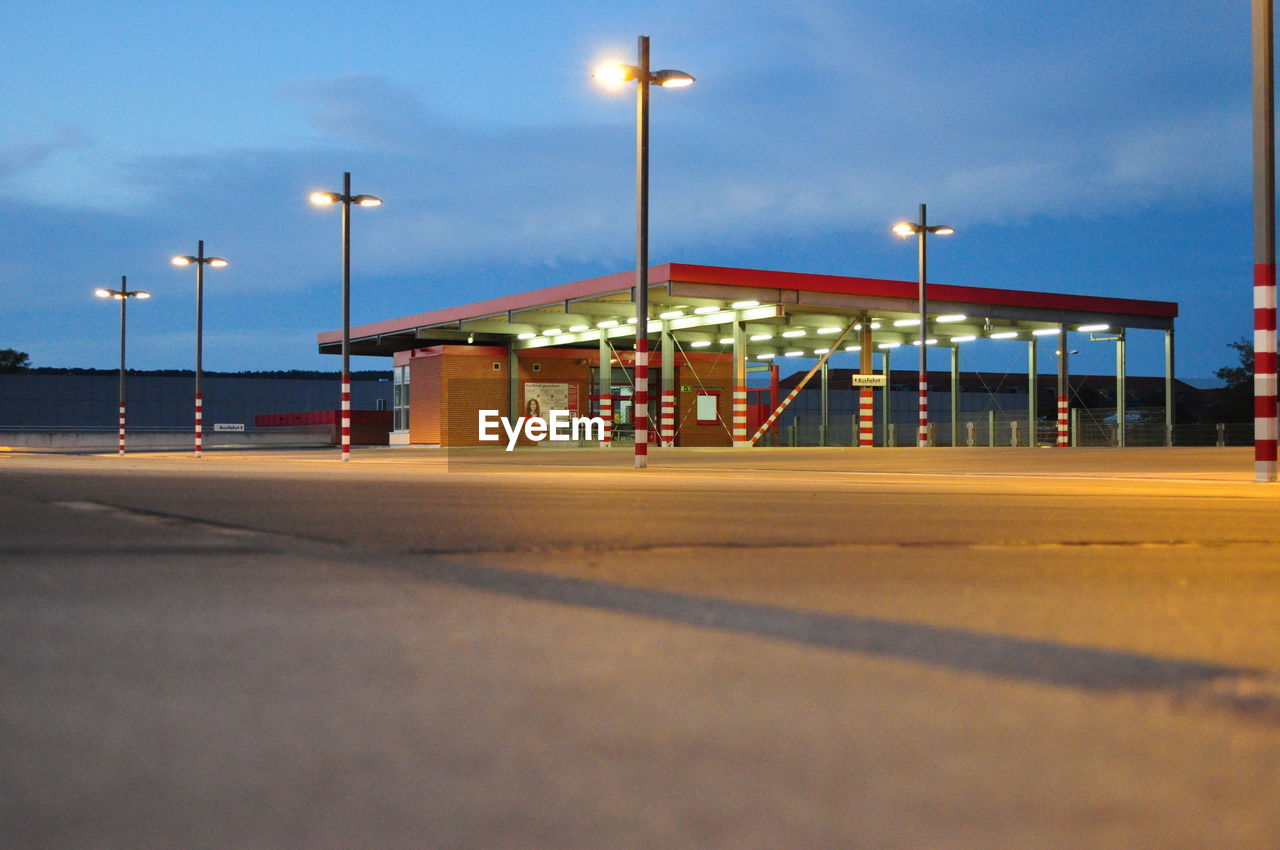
(542, 398)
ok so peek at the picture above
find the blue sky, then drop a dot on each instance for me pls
(1089, 147)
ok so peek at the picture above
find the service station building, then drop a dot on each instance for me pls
(571, 348)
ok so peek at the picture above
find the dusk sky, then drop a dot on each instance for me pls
(1088, 147)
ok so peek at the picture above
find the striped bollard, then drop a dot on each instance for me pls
(740, 418)
(642, 402)
(1064, 435)
(922, 435)
(606, 413)
(346, 416)
(1264, 376)
(199, 423)
(866, 417)
(122, 429)
(668, 417)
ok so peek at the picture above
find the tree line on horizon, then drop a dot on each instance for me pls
(13, 361)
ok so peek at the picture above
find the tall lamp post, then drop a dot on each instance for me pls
(199, 261)
(922, 229)
(346, 199)
(617, 75)
(123, 294)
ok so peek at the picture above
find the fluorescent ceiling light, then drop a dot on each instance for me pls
(821, 350)
(853, 348)
(577, 329)
(525, 336)
(742, 305)
(1089, 328)
(1044, 331)
(671, 314)
(727, 341)
(951, 317)
(906, 323)
(607, 323)
(793, 353)
(963, 338)
(888, 345)
(761, 337)
(828, 330)
(703, 311)
(768, 355)
(550, 331)
(1004, 335)
(702, 343)
(793, 334)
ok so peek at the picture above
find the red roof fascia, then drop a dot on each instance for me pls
(909, 289)
(519, 301)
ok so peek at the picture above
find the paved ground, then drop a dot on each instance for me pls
(776, 648)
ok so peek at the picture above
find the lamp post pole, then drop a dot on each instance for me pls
(124, 303)
(644, 78)
(641, 407)
(922, 433)
(922, 229)
(200, 261)
(122, 295)
(1264, 244)
(346, 199)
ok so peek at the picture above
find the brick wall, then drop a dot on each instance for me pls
(714, 377)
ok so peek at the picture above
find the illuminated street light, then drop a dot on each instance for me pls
(199, 261)
(617, 75)
(346, 199)
(922, 229)
(123, 294)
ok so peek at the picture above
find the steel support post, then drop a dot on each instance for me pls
(1064, 400)
(955, 394)
(866, 400)
(740, 439)
(605, 390)
(1033, 394)
(1169, 401)
(825, 421)
(1122, 368)
(667, 422)
(886, 415)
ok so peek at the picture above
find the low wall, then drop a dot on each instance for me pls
(57, 439)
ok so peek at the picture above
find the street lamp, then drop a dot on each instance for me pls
(346, 199)
(199, 261)
(923, 229)
(123, 294)
(617, 75)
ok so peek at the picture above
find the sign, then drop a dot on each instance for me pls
(228, 426)
(869, 380)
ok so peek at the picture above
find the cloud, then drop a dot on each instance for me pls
(18, 158)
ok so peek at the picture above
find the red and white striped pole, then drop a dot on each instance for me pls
(866, 417)
(346, 416)
(1064, 430)
(606, 413)
(668, 417)
(122, 429)
(739, 416)
(199, 423)
(922, 435)
(1264, 245)
(641, 404)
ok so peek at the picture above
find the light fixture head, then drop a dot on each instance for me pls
(102, 293)
(700, 343)
(616, 75)
(140, 293)
(183, 261)
(761, 337)
(1044, 332)
(217, 262)
(793, 334)
(577, 329)
(942, 230)
(321, 199)
(1004, 335)
(671, 79)
(951, 317)
(1093, 328)
(905, 229)
(367, 200)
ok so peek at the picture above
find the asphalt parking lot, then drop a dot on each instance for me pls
(548, 648)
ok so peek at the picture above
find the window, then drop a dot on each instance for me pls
(400, 398)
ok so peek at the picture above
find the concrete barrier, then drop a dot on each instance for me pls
(57, 439)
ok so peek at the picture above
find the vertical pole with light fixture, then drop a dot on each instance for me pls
(122, 295)
(200, 261)
(922, 229)
(667, 79)
(346, 199)
(640, 409)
